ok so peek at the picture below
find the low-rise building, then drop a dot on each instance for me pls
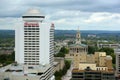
(58, 63)
(96, 66)
(114, 46)
(21, 72)
(89, 74)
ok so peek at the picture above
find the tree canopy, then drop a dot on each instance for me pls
(62, 52)
(108, 51)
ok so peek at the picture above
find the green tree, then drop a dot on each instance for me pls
(92, 49)
(113, 58)
(62, 52)
(59, 74)
(108, 51)
(6, 59)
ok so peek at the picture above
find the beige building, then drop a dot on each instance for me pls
(90, 58)
(96, 66)
(83, 66)
(98, 58)
(92, 66)
(77, 49)
(77, 58)
(109, 62)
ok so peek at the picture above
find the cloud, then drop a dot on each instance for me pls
(66, 14)
(10, 8)
(101, 17)
(67, 19)
(10, 23)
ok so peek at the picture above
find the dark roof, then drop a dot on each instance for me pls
(82, 45)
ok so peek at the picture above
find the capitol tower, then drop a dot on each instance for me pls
(34, 49)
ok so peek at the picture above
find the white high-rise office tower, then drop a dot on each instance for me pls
(34, 48)
(33, 40)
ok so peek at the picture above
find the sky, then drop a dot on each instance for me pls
(65, 14)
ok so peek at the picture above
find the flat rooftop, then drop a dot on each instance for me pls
(28, 70)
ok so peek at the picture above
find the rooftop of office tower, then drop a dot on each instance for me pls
(33, 15)
(33, 12)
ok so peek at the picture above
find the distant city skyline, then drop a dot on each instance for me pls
(65, 14)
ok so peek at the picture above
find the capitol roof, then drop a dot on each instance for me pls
(82, 45)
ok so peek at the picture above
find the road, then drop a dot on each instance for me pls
(68, 74)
